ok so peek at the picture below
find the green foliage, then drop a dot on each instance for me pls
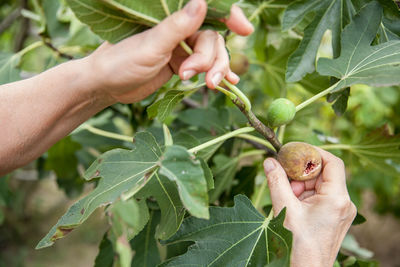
(237, 236)
(124, 170)
(360, 63)
(156, 190)
(114, 20)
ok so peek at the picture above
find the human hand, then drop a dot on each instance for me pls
(319, 212)
(131, 70)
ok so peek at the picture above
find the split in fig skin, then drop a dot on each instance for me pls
(300, 161)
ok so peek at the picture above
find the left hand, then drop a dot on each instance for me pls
(134, 68)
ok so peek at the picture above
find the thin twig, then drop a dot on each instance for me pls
(9, 20)
(191, 103)
(270, 152)
(23, 32)
(47, 42)
(260, 127)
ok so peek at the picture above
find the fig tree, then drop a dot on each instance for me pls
(239, 63)
(281, 112)
(300, 161)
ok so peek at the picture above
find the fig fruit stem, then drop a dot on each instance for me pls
(316, 97)
(281, 134)
(260, 127)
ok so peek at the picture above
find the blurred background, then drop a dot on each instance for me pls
(33, 198)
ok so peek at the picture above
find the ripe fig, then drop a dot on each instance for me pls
(239, 63)
(300, 161)
(281, 112)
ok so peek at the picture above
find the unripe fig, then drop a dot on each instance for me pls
(239, 63)
(300, 161)
(280, 112)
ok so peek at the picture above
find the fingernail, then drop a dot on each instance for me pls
(269, 165)
(235, 76)
(187, 74)
(192, 7)
(216, 79)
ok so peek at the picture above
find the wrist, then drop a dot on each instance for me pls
(310, 253)
(88, 82)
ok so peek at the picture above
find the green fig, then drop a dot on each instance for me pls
(280, 112)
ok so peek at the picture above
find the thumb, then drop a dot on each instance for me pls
(279, 186)
(177, 27)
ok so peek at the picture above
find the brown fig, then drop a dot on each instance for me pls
(300, 161)
(239, 63)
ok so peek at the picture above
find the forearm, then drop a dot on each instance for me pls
(37, 112)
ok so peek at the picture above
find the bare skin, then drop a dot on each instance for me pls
(35, 113)
(319, 212)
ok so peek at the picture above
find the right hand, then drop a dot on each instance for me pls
(319, 212)
(134, 68)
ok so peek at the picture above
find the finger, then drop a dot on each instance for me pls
(221, 65)
(232, 77)
(298, 187)
(238, 23)
(306, 194)
(204, 55)
(164, 37)
(333, 174)
(279, 186)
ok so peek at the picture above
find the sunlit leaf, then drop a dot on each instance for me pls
(360, 62)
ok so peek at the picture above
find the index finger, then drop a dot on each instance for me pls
(333, 174)
(238, 22)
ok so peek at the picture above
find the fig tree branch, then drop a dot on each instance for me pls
(244, 105)
(260, 127)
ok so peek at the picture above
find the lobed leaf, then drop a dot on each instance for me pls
(359, 62)
(237, 236)
(128, 171)
(172, 209)
(114, 20)
(145, 244)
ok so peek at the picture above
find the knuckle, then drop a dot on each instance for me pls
(345, 208)
(176, 21)
(340, 162)
(204, 63)
(342, 203)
